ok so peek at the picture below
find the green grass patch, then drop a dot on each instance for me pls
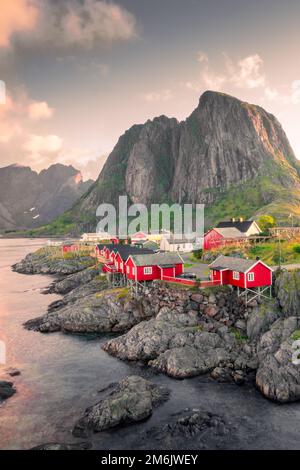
(296, 335)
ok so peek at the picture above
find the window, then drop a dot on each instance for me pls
(121, 265)
(128, 270)
(236, 275)
(250, 277)
(133, 271)
(148, 270)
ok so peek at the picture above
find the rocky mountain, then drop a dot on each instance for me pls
(29, 199)
(231, 155)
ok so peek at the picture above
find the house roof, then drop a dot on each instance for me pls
(100, 246)
(157, 259)
(179, 241)
(242, 226)
(233, 264)
(139, 235)
(229, 232)
(126, 250)
(151, 245)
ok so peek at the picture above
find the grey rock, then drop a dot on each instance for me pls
(6, 390)
(277, 377)
(59, 446)
(261, 319)
(132, 400)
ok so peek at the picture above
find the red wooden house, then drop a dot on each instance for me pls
(123, 253)
(153, 266)
(70, 247)
(244, 273)
(139, 237)
(217, 237)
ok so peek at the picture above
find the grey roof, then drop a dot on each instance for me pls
(230, 232)
(235, 264)
(180, 241)
(126, 250)
(241, 226)
(157, 259)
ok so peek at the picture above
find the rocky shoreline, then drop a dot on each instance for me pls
(177, 332)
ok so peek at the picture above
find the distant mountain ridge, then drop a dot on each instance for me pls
(29, 199)
(228, 154)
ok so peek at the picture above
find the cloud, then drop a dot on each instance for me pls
(202, 57)
(247, 73)
(296, 92)
(40, 110)
(155, 96)
(73, 23)
(289, 97)
(16, 16)
(40, 146)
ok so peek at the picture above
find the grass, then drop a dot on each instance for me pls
(188, 265)
(238, 335)
(271, 252)
(296, 335)
(121, 292)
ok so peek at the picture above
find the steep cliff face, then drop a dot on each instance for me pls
(28, 199)
(225, 145)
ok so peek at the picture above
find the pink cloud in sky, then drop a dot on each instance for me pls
(16, 16)
(40, 110)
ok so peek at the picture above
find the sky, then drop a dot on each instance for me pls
(75, 74)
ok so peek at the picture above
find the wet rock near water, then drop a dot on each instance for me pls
(7, 390)
(57, 446)
(176, 344)
(194, 428)
(278, 378)
(108, 310)
(131, 400)
(45, 261)
(71, 282)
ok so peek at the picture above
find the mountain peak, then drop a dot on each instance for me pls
(223, 144)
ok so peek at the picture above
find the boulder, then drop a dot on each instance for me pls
(6, 390)
(131, 400)
(278, 377)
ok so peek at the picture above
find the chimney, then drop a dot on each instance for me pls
(232, 219)
(257, 258)
(241, 219)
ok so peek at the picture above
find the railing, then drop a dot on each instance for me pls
(190, 282)
(209, 283)
(109, 268)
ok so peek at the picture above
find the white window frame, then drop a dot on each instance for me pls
(121, 265)
(236, 275)
(148, 270)
(133, 271)
(250, 277)
(127, 269)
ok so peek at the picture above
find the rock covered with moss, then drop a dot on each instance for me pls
(52, 261)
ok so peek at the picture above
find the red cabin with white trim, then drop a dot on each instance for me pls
(70, 247)
(139, 237)
(218, 237)
(239, 272)
(153, 266)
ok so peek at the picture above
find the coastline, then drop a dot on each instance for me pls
(200, 393)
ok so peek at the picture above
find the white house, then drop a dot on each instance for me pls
(95, 237)
(246, 227)
(177, 244)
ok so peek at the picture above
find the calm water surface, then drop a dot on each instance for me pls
(61, 375)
